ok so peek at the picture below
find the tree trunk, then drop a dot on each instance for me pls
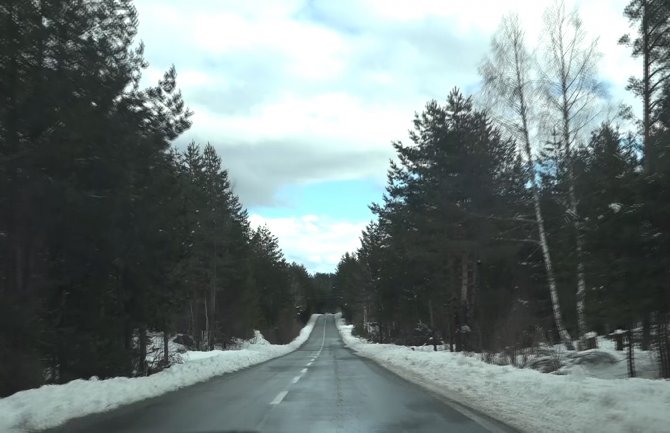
(12, 145)
(142, 361)
(646, 92)
(206, 307)
(573, 210)
(463, 329)
(212, 300)
(579, 255)
(432, 326)
(464, 279)
(551, 279)
(530, 166)
(663, 345)
(646, 332)
(166, 354)
(212, 315)
(631, 353)
(192, 318)
(451, 320)
(195, 321)
(451, 302)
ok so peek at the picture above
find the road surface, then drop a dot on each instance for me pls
(322, 387)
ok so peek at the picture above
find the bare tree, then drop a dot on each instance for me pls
(571, 90)
(508, 85)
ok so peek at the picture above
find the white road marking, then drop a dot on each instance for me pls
(279, 398)
(323, 340)
(295, 380)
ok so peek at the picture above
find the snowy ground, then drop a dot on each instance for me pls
(604, 362)
(646, 365)
(52, 405)
(178, 353)
(527, 399)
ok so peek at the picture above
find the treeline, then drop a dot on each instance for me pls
(529, 215)
(106, 232)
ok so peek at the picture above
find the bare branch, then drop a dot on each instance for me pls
(508, 82)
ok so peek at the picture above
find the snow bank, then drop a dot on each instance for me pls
(52, 405)
(526, 399)
(155, 349)
(254, 344)
(607, 363)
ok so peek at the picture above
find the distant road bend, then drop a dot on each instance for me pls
(322, 387)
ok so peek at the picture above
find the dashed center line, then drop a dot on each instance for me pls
(279, 398)
(323, 339)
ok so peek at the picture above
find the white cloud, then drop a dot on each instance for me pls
(299, 91)
(337, 119)
(356, 72)
(318, 242)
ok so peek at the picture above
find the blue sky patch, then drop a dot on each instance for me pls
(339, 199)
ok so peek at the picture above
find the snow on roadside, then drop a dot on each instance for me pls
(256, 342)
(52, 405)
(578, 363)
(526, 399)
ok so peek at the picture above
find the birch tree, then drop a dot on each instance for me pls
(508, 85)
(571, 91)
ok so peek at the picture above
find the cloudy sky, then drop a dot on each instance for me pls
(302, 98)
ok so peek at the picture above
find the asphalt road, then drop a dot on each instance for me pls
(323, 387)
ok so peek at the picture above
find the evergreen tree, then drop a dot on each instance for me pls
(106, 233)
(652, 44)
(271, 278)
(443, 214)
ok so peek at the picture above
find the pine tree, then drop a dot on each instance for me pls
(651, 43)
(436, 223)
(270, 272)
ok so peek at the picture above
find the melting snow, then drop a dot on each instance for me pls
(527, 399)
(616, 207)
(52, 405)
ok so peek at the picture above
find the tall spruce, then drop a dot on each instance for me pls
(651, 19)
